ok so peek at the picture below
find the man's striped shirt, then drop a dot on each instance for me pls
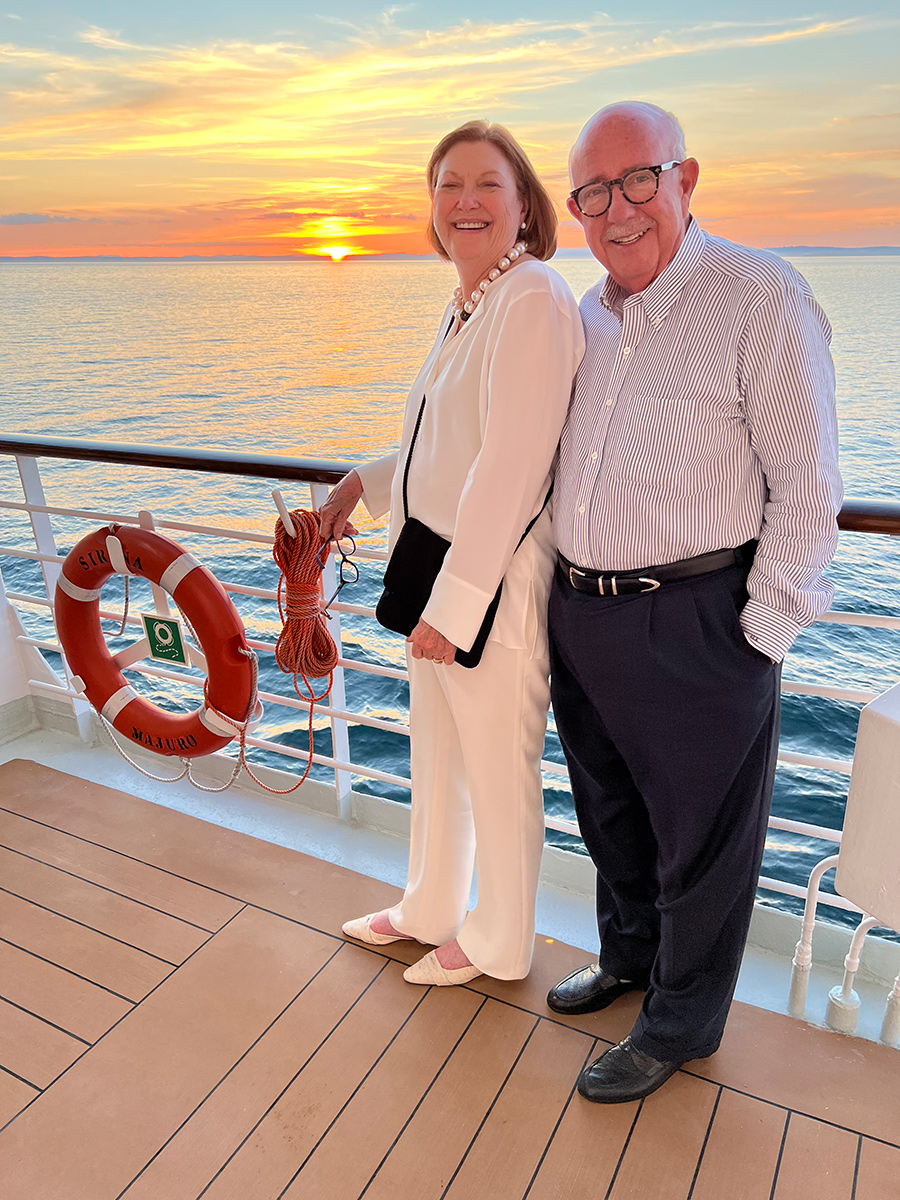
(703, 416)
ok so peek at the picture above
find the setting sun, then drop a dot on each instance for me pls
(337, 252)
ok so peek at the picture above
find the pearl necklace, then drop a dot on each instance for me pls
(464, 309)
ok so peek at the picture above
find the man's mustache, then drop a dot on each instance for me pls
(615, 233)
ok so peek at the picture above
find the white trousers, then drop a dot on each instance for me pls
(477, 800)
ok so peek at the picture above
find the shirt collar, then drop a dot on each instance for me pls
(658, 298)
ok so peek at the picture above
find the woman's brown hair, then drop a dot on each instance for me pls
(541, 220)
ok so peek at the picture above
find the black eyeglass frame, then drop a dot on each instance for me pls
(609, 184)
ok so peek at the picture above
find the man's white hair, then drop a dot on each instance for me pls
(667, 123)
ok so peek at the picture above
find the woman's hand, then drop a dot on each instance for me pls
(337, 508)
(426, 642)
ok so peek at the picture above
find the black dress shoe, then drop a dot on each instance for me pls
(589, 989)
(624, 1073)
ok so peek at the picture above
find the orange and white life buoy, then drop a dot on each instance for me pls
(230, 688)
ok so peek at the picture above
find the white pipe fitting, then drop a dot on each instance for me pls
(890, 1028)
(799, 986)
(842, 1010)
(802, 961)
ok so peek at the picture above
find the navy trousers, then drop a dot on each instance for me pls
(669, 722)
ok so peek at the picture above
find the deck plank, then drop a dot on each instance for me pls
(82, 1008)
(14, 1095)
(742, 1152)
(195, 1154)
(374, 1117)
(879, 1171)
(109, 964)
(88, 1136)
(435, 1140)
(102, 910)
(585, 1151)
(855, 1083)
(260, 873)
(509, 1145)
(268, 1160)
(553, 961)
(663, 1151)
(818, 1160)
(155, 887)
(33, 1049)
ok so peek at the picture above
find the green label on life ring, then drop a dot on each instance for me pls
(164, 636)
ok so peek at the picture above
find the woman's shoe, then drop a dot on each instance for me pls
(362, 930)
(428, 971)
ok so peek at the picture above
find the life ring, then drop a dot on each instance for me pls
(230, 686)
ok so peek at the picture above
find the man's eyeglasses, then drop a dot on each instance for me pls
(638, 186)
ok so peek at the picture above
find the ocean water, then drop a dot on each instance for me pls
(315, 359)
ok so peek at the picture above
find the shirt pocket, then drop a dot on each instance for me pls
(673, 442)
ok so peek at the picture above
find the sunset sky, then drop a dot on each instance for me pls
(215, 127)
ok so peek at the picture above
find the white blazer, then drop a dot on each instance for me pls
(497, 395)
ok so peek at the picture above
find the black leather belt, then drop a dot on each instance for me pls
(648, 579)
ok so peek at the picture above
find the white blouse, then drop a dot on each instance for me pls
(497, 395)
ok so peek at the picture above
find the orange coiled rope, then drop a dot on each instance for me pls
(304, 647)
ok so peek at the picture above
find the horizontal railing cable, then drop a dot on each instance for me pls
(262, 743)
(799, 893)
(217, 531)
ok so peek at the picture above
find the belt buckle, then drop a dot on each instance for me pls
(573, 573)
(654, 584)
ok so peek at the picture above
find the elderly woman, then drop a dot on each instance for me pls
(496, 387)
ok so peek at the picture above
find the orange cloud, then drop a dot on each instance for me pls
(217, 140)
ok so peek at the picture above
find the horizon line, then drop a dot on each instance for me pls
(566, 252)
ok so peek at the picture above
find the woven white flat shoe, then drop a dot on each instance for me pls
(428, 971)
(362, 930)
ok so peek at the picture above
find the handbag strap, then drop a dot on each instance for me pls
(412, 444)
(409, 458)
(531, 524)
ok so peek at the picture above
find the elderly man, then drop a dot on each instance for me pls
(694, 513)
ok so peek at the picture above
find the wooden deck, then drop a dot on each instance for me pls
(180, 1017)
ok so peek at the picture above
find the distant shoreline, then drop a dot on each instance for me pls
(784, 251)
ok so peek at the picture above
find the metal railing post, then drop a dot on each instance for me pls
(45, 542)
(340, 735)
(44, 539)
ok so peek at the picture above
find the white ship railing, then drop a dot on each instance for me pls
(319, 476)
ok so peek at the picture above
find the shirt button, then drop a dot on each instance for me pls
(609, 404)
(593, 458)
(626, 349)
(581, 510)
(656, 320)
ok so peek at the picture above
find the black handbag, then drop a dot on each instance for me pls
(415, 562)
